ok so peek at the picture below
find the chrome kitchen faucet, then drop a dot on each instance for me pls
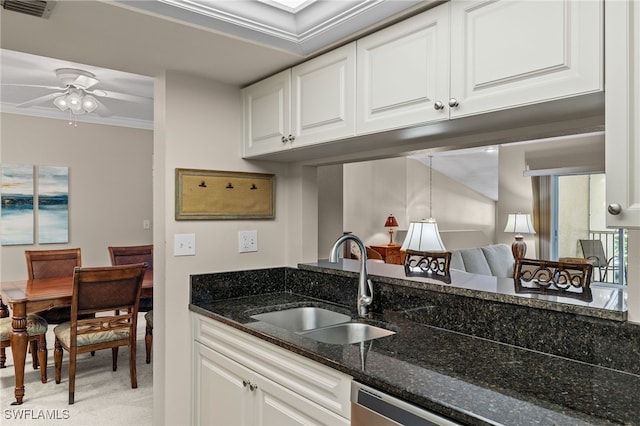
(364, 283)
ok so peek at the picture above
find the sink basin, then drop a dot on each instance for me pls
(343, 334)
(302, 319)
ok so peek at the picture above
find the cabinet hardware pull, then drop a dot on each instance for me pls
(246, 383)
(453, 102)
(437, 105)
(292, 138)
(284, 139)
(614, 209)
(252, 387)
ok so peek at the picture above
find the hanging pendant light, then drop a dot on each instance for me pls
(426, 254)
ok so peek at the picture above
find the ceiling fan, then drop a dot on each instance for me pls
(76, 94)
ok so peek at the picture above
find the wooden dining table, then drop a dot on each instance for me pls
(33, 296)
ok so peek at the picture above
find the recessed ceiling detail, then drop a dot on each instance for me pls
(302, 27)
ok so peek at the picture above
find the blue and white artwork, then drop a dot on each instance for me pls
(53, 204)
(17, 224)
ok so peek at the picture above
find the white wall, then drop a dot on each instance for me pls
(110, 183)
(330, 207)
(400, 186)
(198, 124)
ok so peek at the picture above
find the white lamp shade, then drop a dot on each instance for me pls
(61, 102)
(520, 223)
(89, 103)
(423, 236)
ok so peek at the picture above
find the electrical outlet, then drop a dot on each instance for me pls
(146, 224)
(184, 245)
(247, 241)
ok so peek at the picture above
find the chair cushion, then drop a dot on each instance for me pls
(63, 333)
(35, 325)
(149, 317)
(500, 260)
(474, 261)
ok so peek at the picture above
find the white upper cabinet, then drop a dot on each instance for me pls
(622, 99)
(403, 71)
(311, 103)
(267, 114)
(459, 59)
(510, 53)
(323, 97)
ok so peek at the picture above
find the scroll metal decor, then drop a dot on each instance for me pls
(570, 279)
(424, 264)
(218, 195)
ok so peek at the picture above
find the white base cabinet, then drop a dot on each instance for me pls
(241, 380)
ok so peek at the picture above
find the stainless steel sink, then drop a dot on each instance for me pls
(302, 319)
(343, 334)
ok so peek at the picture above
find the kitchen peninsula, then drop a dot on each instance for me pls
(472, 351)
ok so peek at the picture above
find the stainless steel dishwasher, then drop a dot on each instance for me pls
(370, 407)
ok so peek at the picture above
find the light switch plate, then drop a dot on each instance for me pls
(184, 245)
(247, 241)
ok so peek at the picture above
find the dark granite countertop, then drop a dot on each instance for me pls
(606, 301)
(469, 379)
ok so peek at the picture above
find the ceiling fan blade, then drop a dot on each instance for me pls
(119, 96)
(40, 100)
(34, 85)
(102, 110)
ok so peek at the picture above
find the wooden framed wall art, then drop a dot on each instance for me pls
(219, 195)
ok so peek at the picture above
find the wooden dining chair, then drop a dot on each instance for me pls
(101, 291)
(53, 264)
(148, 336)
(36, 332)
(125, 255)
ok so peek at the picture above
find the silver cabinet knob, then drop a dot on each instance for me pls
(245, 383)
(437, 105)
(453, 102)
(614, 209)
(292, 138)
(284, 139)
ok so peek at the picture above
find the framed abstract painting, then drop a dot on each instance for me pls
(53, 204)
(17, 224)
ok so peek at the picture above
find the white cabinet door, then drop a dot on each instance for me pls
(239, 379)
(267, 115)
(279, 406)
(323, 97)
(220, 398)
(511, 53)
(403, 71)
(622, 99)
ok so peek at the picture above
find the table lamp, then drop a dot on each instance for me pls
(390, 223)
(519, 223)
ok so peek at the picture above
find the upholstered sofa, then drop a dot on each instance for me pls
(496, 260)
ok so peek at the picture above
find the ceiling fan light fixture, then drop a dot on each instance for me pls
(61, 102)
(89, 103)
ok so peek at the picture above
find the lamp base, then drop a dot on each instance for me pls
(428, 264)
(390, 235)
(519, 247)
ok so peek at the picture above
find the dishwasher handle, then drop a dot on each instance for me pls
(394, 409)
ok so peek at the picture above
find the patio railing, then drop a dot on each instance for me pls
(615, 246)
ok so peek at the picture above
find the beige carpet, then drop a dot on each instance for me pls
(102, 396)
